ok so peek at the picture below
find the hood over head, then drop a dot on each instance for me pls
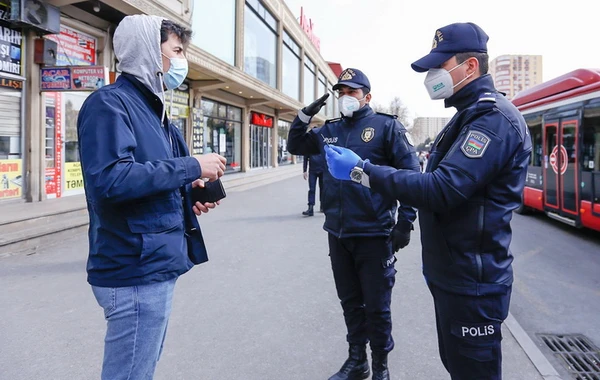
(137, 47)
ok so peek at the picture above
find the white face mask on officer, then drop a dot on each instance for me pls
(349, 104)
(439, 84)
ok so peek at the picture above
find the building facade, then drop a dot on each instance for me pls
(252, 65)
(514, 73)
(427, 127)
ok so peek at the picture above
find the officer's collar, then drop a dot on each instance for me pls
(469, 94)
(361, 113)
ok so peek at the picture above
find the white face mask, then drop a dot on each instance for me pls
(349, 104)
(438, 82)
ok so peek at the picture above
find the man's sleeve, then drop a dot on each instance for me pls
(479, 154)
(107, 143)
(402, 153)
(300, 141)
(305, 164)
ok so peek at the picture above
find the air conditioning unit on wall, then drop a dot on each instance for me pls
(35, 14)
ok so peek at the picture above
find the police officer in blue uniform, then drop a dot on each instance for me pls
(362, 226)
(473, 182)
(315, 164)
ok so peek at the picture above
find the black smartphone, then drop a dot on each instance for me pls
(211, 192)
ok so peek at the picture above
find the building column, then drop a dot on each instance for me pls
(275, 139)
(35, 132)
(246, 139)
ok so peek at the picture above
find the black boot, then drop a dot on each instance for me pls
(309, 212)
(356, 367)
(380, 366)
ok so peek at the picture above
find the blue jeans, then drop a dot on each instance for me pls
(137, 318)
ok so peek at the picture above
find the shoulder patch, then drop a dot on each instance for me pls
(387, 114)
(409, 139)
(487, 97)
(475, 144)
(332, 120)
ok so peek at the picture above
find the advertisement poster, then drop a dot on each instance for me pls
(53, 173)
(11, 44)
(73, 176)
(11, 180)
(74, 48)
(197, 131)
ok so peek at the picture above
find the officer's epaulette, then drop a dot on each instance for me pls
(387, 114)
(486, 100)
(332, 120)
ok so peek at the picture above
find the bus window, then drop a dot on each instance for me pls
(591, 144)
(536, 140)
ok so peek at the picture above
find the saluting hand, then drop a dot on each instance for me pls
(212, 165)
(313, 108)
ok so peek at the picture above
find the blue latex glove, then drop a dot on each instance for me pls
(340, 161)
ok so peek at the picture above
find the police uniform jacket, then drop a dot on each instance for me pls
(137, 174)
(474, 179)
(315, 163)
(351, 209)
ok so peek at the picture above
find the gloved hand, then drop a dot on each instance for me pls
(400, 236)
(340, 161)
(313, 108)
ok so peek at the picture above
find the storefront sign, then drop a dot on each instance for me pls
(11, 180)
(11, 42)
(81, 78)
(197, 131)
(178, 104)
(10, 83)
(261, 120)
(74, 48)
(54, 174)
(73, 176)
(307, 25)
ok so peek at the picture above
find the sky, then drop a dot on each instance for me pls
(383, 37)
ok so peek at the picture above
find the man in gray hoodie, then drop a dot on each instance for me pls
(138, 178)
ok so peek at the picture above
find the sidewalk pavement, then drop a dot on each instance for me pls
(263, 308)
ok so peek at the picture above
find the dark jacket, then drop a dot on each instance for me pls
(351, 209)
(315, 163)
(137, 176)
(474, 179)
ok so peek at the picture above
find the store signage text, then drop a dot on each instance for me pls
(307, 25)
(74, 47)
(11, 41)
(10, 83)
(76, 78)
(261, 120)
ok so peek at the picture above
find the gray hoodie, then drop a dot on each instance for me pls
(137, 47)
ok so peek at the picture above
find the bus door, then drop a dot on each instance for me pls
(561, 182)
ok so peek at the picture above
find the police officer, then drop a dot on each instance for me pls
(362, 227)
(315, 164)
(474, 180)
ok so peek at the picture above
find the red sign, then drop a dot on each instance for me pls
(307, 25)
(261, 119)
(74, 47)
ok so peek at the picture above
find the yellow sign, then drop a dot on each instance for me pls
(73, 176)
(11, 179)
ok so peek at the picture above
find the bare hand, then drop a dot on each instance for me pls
(305, 175)
(212, 165)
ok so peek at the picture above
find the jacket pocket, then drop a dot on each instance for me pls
(160, 233)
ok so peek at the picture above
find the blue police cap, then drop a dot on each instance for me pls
(353, 78)
(450, 40)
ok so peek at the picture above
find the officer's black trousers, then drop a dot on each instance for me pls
(312, 186)
(469, 333)
(364, 273)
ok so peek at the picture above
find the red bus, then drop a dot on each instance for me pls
(563, 179)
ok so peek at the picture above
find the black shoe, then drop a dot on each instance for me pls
(309, 212)
(356, 367)
(380, 366)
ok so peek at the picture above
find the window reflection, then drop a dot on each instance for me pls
(213, 23)
(260, 45)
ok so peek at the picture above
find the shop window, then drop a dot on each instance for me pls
(260, 44)
(213, 23)
(223, 135)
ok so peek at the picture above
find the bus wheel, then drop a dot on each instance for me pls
(522, 209)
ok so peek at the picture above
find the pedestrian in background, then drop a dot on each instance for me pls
(315, 164)
(362, 227)
(476, 175)
(138, 178)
